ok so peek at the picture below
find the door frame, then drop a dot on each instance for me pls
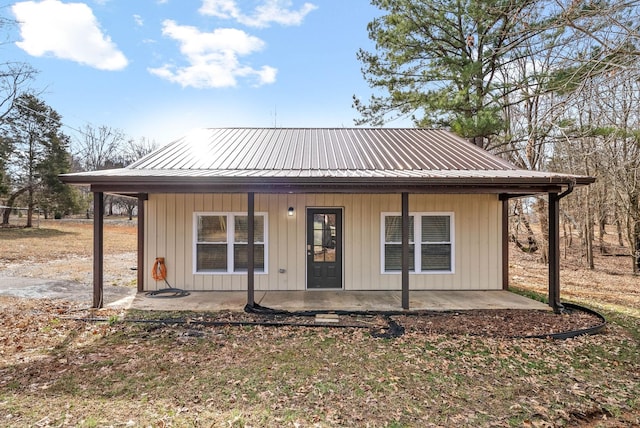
(339, 243)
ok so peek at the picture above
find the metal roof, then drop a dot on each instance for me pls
(338, 149)
(302, 158)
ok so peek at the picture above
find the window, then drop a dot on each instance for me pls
(221, 242)
(435, 244)
(393, 244)
(430, 233)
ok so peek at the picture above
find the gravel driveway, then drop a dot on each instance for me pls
(71, 279)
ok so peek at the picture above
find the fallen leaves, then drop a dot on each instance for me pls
(459, 369)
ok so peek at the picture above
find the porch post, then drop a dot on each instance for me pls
(554, 253)
(505, 242)
(98, 249)
(250, 249)
(140, 266)
(405, 250)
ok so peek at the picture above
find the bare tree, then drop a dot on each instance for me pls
(600, 127)
(99, 147)
(14, 76)
(132, 151)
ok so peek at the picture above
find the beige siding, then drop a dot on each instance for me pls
(477, 218)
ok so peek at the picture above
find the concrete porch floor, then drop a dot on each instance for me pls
(339, 301)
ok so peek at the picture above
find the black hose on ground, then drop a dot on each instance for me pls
(170, 321)
(167, 293)
(393, 330)
(396, 330)
(264, 310)
(570, 307)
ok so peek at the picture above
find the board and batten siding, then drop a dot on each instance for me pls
(477, 227)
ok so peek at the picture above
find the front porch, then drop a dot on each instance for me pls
(323, 300)
(375, 174)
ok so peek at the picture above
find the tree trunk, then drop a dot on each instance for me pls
(588, 235)
(478, 141)
(12, 199)
(635, 227)
(619, 226)
(633, 230)
(636, 259)
(588, 229)
(567, 238)
(601, 231)
(543, 218)
(30, 205)
(532, 245)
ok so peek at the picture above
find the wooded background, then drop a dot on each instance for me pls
(549, 85)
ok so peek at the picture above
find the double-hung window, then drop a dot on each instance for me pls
(221, 242)
(431, 242)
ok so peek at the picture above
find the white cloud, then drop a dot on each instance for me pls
(213, 57)
(270, 11)
(138, 20)
(67, 31)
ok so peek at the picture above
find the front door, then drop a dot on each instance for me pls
(324, 248)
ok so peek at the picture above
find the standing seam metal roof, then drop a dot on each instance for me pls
(323, 159)
(337, 149)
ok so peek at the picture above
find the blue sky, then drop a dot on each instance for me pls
(158, 68)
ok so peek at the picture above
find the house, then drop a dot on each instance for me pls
(347, 208)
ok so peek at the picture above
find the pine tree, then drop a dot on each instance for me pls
(457, 64)
(37, 154)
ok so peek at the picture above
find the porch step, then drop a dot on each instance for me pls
(327, 318)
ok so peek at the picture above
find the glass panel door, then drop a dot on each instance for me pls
(324, 248)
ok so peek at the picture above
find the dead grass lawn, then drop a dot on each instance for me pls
(60, 239)
(58, 368)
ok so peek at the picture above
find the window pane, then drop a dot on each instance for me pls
(240, 263)
(212, 257)
(324, 254)
(393, 228)
(330, 255)
(212, 228)
(393, 257)
(324, 230)
(436, 257)
(241, 223)
(436, 228)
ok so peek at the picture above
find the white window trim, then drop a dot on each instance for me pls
(230, 242)
(417, 241)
